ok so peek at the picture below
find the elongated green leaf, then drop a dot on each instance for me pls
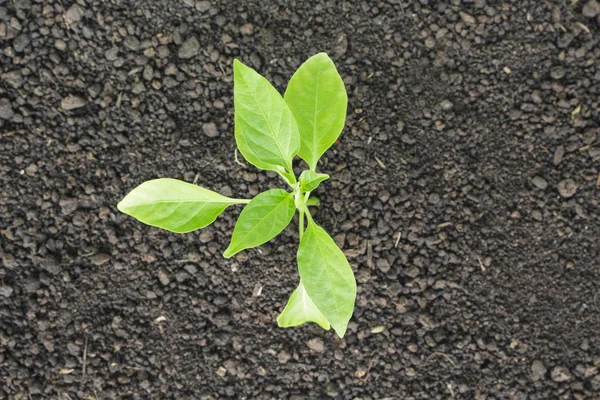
(300, 309)
(261, 220)
(310, 180)
(265, 129)
(317, 97)
(174, 205)
(327, 277)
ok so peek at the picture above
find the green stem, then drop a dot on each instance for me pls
(301, 223)
(313, 202)
(241, 201)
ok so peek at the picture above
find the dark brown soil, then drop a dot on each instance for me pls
(464, 190)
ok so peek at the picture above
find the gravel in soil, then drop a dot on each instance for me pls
(464, 191)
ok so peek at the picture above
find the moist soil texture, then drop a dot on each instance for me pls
(464, 192)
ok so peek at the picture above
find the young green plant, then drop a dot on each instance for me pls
(270, 131)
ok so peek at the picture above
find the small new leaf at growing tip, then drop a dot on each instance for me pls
(310, 180)
(327, 277)
(317, 97)
(261, 220)
(301, 309)
(266, 132)
(174, 205)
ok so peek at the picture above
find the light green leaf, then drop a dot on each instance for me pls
(310, 180)
(261, 220)
(317, 97)
(266, 132)
(174, 205)
(327, 277)
(300, 309)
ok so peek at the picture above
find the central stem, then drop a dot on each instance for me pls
(300, 200)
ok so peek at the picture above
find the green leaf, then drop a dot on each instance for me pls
(327, 276)
(317, 97)
(300, 309)
(310, 180)
(261, 220)
(265, 129)
(174, 205)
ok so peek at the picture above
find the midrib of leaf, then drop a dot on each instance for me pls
(337, 308)
(271, 131)
(186, 201)
(315, 141)
(304, 302)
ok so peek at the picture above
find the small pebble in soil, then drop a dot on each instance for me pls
(6, 110)
(567, 188)
(538, 370)
(189, 48)
(560, 374)
(210, 129)
(591, 9)
(539, 182)
(316, 345)
(72, 102)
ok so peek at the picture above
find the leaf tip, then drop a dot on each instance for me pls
(228, 253)
(122, 206)
(340, 331)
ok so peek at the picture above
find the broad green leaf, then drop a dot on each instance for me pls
(317, 97)
(300, 309)
(261, 220)
(265, 129)
(327, 277)
(174, 205)
(310, 180)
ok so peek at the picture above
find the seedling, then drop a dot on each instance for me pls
(270, 131)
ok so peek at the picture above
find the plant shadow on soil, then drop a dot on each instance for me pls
(464, 191)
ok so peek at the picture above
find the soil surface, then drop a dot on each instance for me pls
(464, 191)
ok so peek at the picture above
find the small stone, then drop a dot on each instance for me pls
(206, 236)
(189, 48)
(539, 182)
(467, 18)
(283, 357)
(559, 153)
(567, 188)
(412, 272)
(210, 129)
(6, 110)
(536, 96)
(31, 170)
(132, 43)
(21, 42)
(446, 105)
(74, 14)
(341, 45)
(560, 374)
(383, 265)
(112, 54)
(538, 370)
(138, 87)
(72, 102)
(163, 277)
(557, 72)
(203, 5)
(13, 78)
(316, 345)
(6, 291)
(591, 9)
(247, 29)
(99, 259)
(60, 45)
(407, 139)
